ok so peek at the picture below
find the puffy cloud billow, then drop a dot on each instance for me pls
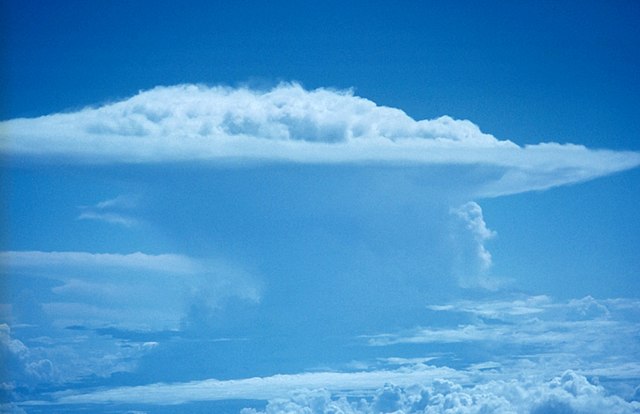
(569, 393)
(473, 261)
(291, 124)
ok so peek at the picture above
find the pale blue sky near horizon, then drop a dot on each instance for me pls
(316, 270)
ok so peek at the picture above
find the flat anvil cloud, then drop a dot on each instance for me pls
(291, 124)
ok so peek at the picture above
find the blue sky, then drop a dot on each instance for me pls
(320, 207)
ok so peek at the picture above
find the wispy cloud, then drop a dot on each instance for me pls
(113, 218)
(137, 261)
(121, 201)
(262, 388)
(112, 211)
(136, 290)
(601, 334)
(532, 320)
(291, 124)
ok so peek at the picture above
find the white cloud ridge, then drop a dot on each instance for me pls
(291, 124)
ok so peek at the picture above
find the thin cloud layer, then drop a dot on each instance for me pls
(132, 291)
(291, 124)
(172, 263)
(114, 211)
(599, 336)
(260, 388)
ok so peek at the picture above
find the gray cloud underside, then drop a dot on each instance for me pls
(291, 124)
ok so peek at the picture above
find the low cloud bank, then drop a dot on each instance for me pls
(539, 375)
(379, 392)
(291, 124)
(569, 393)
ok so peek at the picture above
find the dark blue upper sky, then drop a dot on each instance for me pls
(523, 71)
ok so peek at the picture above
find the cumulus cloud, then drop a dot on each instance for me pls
(473, 260)
(20, 362)
(291, 124)
(72, 355)
(568, 393)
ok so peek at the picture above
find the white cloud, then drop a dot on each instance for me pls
(421, 389)
(133, 291)
(473, 260)
(113, 218)
(18, 359)
(471, 213)
(173, 263)
(567, 393)
(558, 346)
(499, 309)
(599, 336)
(69, 357)
(261, 388)
(111, 211)
(290, 124)
(121, 201)
(542, 306)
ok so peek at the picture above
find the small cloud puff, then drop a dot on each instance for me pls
(291, 124)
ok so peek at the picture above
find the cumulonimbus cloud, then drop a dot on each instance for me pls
(291, 124)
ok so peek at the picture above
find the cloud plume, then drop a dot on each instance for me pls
(291, 124)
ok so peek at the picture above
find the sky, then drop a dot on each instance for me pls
(319, 207)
